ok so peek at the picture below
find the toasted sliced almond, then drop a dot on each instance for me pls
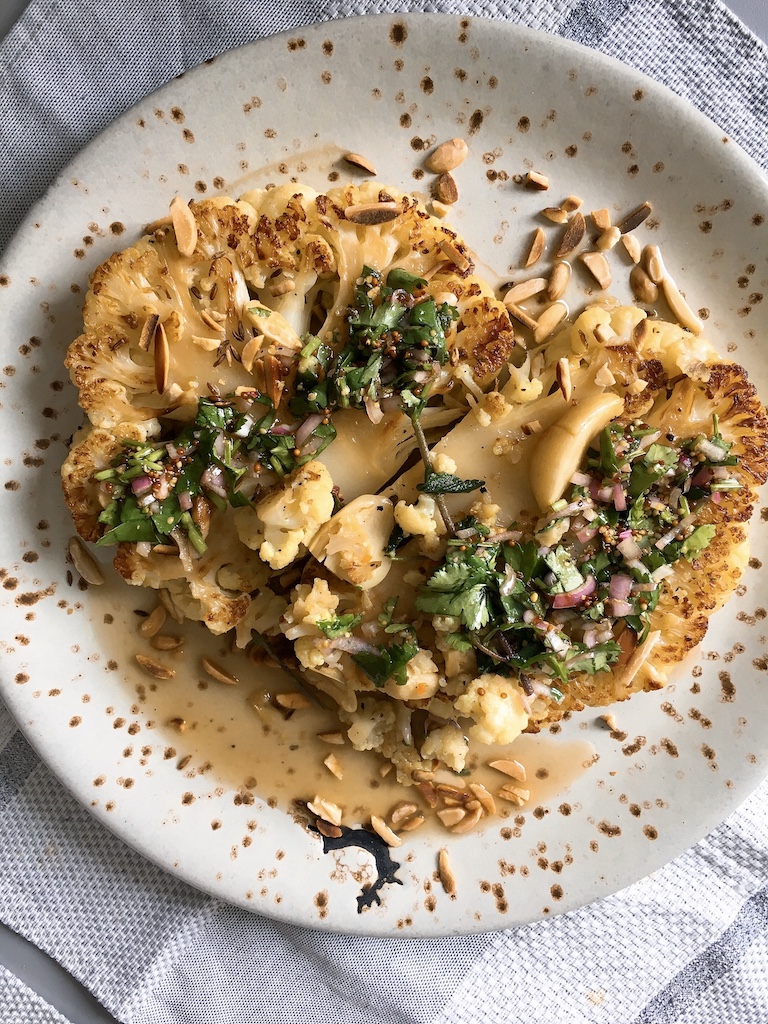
(179, 724)
(385, 769)
(556, 214)
(563, 374)
(572, 236)
(217, 672)
(598, 266)
(635, 218)
(154, 668)
(558, 281)
(637, 387)
(293, 701)
(326, 809)
(532, 427)
(335, 738)
(608, 239)
(420, 775)
(455, 255)
(166, 642)
(154, 622)
(643, 288)
(610, 721)
(536, 181)
(513, 769)
(445, 872)
(451, 816)
(571, 203)
(85, 565)
(605, 334)
(381, 828)
(427, 790)
(212, 322)
(401, 812)
(633, 247)
(525, 290)
(184, 226)
(604, 378)
(148, 331)
(325, 828)
(446, 189)
(537, 247)
(333, 765)
(162, 356)
(514, 795)
(414, 822)
(206, 344)
(447, 156)
(548, 321)
(356, 160)
(283, 287)
(654, 264)
(368, 214)
(439, 209)
(601, 219)
(470, 820)
(484, 798)
(521, 316)
(680, 308)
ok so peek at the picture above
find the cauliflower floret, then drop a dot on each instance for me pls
(263, 615)
(352, 544)
(421, 519)
(287, 519)
(443, 463)
(448, 744)
(311, 604)
(422, 679)
(369, 723)
(496, 705)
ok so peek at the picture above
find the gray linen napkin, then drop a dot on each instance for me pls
(689, 944)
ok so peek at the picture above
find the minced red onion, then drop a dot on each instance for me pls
(305, 430)
(280, 429)
(374, 410)
(581, 479)
(574, 597)
(185, 501)
(716, 497)
(143, 549)
(620, 587)
(213, 479)
(621, 608)
(219, 443)
(619, 498)
(141, 484)
(629, 548)
(590, 637)
(585, 535)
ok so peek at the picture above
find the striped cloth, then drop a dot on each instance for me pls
(688, 944)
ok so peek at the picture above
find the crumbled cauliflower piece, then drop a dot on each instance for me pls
(496, 705)
(496, 405)
(309, 652)
(287, 519)
(521, 388)
(370, 723)
(486, 512)
(422, 519)
(448, 744)
(442, 463)
(311, 604)
(422, 679)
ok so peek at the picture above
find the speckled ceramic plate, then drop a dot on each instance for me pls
(626, 801)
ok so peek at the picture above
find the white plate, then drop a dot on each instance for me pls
(385, 87)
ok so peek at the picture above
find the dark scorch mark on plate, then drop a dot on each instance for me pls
(386, 868)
